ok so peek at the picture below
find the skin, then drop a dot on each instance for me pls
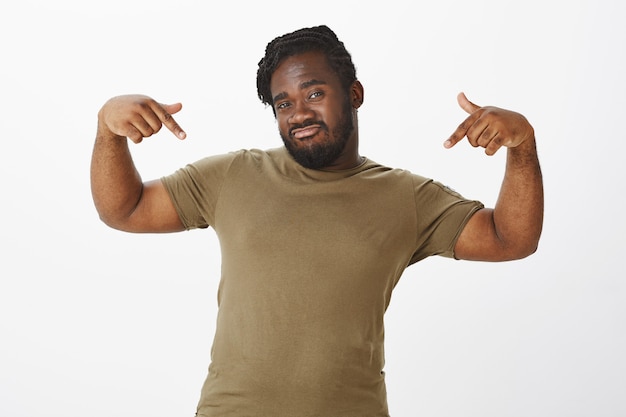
(305, 88)
(307, 96)
(122, 200)
(512, 229)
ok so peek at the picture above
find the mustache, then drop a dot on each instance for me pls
(307, 123)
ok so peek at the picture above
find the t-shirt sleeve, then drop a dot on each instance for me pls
(441, 216)
(195, 189)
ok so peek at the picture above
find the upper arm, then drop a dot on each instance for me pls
(154, 212)
(479, 240)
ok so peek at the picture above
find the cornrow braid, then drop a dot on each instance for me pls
(318, 38)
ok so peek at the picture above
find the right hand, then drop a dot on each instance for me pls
(137, 117)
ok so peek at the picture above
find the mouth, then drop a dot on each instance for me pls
(306, 132)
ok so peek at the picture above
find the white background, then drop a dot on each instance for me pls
(95, 322)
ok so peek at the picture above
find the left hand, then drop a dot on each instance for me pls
(490, 127)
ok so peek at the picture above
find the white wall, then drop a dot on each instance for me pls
(101, 323)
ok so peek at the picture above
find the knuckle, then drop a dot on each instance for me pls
(141, 104)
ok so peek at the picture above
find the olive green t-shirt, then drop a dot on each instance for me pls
(309, 261)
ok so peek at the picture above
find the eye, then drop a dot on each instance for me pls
(283, 105)
(315, 94)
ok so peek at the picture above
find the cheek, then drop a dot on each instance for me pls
(283, 126)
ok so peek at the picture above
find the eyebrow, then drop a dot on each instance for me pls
(303, 85)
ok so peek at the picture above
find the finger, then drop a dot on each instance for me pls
(146, 124)
(460, 131)
(164, 112)
(134, 134)
(465, 104)
(495, 144)
(463, 128)
(142, 119)
(485, 136)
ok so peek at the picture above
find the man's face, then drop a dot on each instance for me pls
(313, 110)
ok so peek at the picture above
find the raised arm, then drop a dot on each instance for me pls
(122, 200)
(510, 230)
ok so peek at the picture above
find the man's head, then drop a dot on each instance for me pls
(309, 80)
(318, 38)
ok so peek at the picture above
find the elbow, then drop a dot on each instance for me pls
(520, 243)
(521, 250)
(110, 223)
(527, 251)
(113, 222)
(530, 244)
(114, 215)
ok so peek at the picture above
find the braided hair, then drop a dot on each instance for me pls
(318, 38)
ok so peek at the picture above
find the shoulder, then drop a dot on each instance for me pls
(374, 170)
(226, 161)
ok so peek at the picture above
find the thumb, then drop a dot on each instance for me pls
(172, 108)
(465, 104)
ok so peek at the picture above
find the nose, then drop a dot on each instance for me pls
(301, 113)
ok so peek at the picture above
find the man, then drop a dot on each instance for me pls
(314, 236)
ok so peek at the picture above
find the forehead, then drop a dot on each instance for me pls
(302, 67)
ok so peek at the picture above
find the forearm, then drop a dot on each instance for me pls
(518, 213)
(116, 185)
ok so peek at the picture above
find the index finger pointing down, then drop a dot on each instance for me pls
(165, 114)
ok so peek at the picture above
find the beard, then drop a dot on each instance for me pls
(321, 154)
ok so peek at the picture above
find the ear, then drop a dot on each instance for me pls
(357, 94)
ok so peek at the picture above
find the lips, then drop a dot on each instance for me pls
(305, 132)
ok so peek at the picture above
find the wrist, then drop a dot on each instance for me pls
(525, 152)
(104, 133)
